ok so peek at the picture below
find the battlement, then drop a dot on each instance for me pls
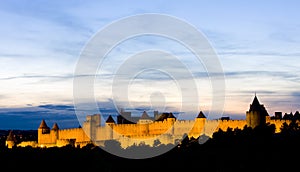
(70, 129)
(168, 131)
(164, 126)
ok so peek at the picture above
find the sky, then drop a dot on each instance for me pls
(257, 44)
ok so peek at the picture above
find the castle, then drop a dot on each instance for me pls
(164, 127)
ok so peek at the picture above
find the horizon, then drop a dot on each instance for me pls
(257, 44)
(75, 122)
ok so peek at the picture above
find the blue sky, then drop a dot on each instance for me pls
(257, 42)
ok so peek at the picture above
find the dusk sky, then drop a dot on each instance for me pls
(257, 43)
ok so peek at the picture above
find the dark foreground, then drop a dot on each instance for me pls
(234, 150)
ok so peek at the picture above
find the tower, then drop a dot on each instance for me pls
(110, 120)
(10, 140)
(145, 118)
(200, 119)
(43, 128)
(256, 116)
(43, 133)
(54, 133)
(91, 124)
(109, 129)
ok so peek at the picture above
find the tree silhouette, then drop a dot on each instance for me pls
(291, 129)
(156, 142)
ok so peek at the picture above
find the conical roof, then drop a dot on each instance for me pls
(55, 127)
(110, 119)
(201, 115)
(162, 116)
(171, 115)
(145, 115)
(10, 136)
(43, 124)
(256, 106)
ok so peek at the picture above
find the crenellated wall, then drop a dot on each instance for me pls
(167, 131)
(279, 122)
(74, 133)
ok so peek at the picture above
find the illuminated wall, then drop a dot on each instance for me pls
(168, 131)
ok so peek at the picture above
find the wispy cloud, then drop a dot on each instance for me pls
(57, 107)
(257, 45)
(30, 117)
(38, 76)
(284, 75)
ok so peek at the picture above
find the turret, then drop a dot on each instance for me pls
(10, 140)
(54, 133)
(110, 120)
(256, 116)
(43, 132)
(55, 127)
(110, 124)
(171, 117)
(201, 117)
(44, 128)
(91, 124)
(145, 118)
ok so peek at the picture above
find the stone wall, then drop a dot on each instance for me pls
(167, 131)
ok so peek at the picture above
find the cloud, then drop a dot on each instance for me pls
(30, 117)
(258, 53)
(38, 76)
(2, 96)
(283, 75)
(40, 43)
(57, 107)
(250, 93)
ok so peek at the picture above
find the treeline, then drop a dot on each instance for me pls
(247, 149)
